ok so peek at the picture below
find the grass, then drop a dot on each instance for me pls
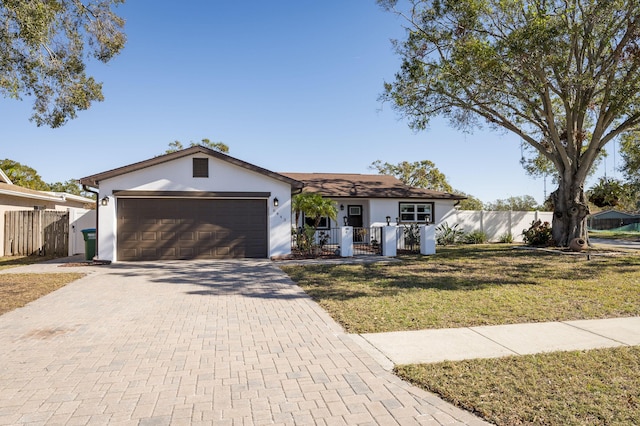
(16, 290)
(465, 286)
(616, 235)
(13, 261)
(498, 284)
(596, 387)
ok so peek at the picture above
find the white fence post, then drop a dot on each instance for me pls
(427, 239)
(510, 224)
(389, 241)
(346, 241)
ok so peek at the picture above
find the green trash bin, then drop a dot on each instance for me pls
(89, 243)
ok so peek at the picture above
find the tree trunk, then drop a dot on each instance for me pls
(570, 211)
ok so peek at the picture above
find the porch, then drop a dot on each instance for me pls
(347, 241)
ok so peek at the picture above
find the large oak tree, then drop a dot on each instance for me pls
(560, 74)
(44, 45)
(421, 174)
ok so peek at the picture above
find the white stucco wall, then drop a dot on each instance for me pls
(376, 210)
(177, 175)
(79, 219)
(381, 208)
(496, 224)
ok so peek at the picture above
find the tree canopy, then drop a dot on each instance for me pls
(313, 206)
(23, 175)
(216, 146)
(469, 203)
(522, 203)
(421, 174)
(630, 151)
(562, 75)
(43, 49)
(71, 186)
(425, 174)
(27, 177)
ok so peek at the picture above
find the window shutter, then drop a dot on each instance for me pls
(200, 167)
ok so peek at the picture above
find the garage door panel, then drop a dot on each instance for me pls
(187, 236)
(128, 236)
(187, 252)
(129, 253)
(205, 236)
(223, 251)
(149, 236)
(167, 253)
(149, 252)
(191, 228)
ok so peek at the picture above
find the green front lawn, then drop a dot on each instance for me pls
(465, 286)
(616, 235)
(500, 284)
(597, 387)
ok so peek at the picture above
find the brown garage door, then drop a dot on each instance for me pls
(170, 228)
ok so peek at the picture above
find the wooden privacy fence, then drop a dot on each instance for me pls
(36, 232)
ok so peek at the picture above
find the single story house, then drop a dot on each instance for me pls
(14, 197)
(201, 203)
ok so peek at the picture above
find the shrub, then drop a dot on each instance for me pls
(446, 234)
(475, 237)
(539, 234)
(304, 238)
(506, 238)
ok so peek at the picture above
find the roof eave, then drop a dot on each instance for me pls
(32, 196)
(444, 196)
(94, 180)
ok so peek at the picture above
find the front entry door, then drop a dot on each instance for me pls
(355, 220)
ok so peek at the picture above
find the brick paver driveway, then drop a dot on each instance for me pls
(194, 343)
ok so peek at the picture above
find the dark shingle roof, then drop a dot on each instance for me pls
(342, 185)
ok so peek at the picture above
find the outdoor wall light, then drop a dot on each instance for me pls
(397, 221)
(346, 219)
(276, 203)
(104, 201)
(341, 206)
(388, 220)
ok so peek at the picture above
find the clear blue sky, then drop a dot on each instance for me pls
(288, 85)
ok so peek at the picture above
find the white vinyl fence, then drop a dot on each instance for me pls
(495, 224)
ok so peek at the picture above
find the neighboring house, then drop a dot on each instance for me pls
(193, 203)
(14, 197)
(367, 200)
(612, 219)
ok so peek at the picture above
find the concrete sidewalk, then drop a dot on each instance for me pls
(453, 344)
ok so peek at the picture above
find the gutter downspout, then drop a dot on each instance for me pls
(87, 189)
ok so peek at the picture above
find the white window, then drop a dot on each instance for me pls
(325, 222)
(416, 212)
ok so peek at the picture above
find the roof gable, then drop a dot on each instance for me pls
(341, 185)
(94, 180)
(4, 178)
(613, 214)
